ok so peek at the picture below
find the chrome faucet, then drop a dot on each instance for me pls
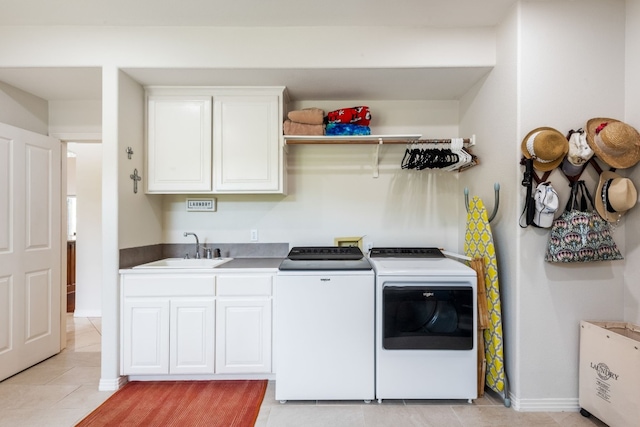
(197, 243)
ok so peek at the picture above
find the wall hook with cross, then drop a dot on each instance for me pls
(135, 177)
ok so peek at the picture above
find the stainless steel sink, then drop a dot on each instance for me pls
(185, 263)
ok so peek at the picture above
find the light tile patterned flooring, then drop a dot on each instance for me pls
(63, 389)
(488, 411)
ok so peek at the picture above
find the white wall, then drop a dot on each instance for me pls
(201, 47)
(109, 368)
(490, 110)
(24, 110)
(332, 191)
(567, 74)
(88, 178)
(71, 176)
(141, 215)
(82, 118)
(632, 116)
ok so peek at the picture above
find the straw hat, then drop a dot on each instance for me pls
(613, 141)
(546, 146)
(615, 195)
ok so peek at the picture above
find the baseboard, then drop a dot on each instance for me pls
(545, 405)
(202, 377)
(87, 313)
(112, 384)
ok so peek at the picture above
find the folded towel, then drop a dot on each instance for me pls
(347, 129)
(310, 116)
(356, 115)
(295, 128)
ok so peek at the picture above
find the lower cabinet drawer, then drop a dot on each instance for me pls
(170, 285)
(245, 285)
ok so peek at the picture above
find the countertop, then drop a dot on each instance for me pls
(251, 263)
(236, 265)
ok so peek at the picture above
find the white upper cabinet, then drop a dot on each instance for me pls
(178, 144)
(215, 140)
(247, 154)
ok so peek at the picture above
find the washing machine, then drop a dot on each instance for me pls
(324, 325)
(426, 325)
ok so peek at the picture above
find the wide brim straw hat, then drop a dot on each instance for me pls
(614, 196)
(614, 142)
(546, 146)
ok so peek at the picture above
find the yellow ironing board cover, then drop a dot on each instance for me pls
(478, 243)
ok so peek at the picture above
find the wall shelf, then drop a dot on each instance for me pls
(376, 140)
(350, 139)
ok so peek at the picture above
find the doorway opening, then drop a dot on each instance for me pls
(71, 231)
(84, 229)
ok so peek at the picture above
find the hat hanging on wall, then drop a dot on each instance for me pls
(546, 200)
(615, 195)
(613, 141)
(546, 146)
(579, 153)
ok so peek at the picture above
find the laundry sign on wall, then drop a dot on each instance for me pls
(201, 205)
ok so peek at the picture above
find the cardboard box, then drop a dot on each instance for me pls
(610, 372)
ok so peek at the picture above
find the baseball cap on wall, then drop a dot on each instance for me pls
(546, 200)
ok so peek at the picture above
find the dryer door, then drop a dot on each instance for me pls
(427, 317)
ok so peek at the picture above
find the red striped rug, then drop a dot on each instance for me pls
(221, 403)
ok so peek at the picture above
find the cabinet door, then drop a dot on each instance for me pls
(178, 144)
(192, 336)
(246, 144)
(145, 336)
(243, 335)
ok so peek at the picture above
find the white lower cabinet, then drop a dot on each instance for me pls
(168, 324)
(243, 324)
(179, 324)
(191, 337)
(168, 336)
(145, 336)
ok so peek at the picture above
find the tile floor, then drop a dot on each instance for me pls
(61, 390)
(64, 388)
(488, 411)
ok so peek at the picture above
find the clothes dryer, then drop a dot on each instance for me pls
(426, 325)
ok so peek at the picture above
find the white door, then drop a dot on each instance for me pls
(192, 336)
(246, 144)
(243, 336)
(30, 249)
(145, 336)
(178, 144)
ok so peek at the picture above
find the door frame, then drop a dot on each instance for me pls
(65, 138)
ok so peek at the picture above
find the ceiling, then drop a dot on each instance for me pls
(55, 84)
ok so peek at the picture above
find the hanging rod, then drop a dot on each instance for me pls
(467, 141)
(370, 139)
(349, 139)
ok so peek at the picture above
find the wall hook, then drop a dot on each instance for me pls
(129, 152)
(496, 188)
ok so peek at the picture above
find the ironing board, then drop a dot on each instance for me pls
(479, 244)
